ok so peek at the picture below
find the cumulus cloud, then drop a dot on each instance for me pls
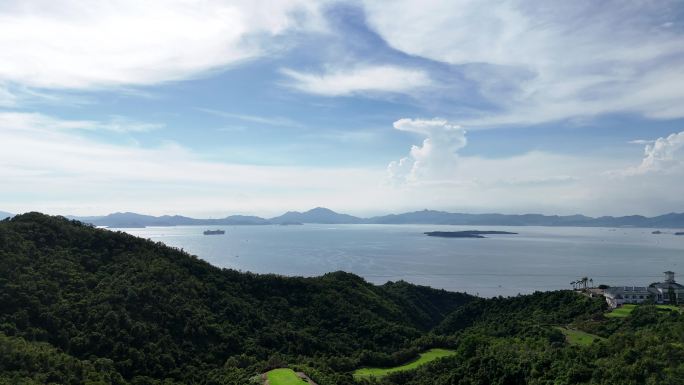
(366, 79)
(84, 44)
(543, 62)
(662, 155)
(435, 159)
(534, 181)
(47, 164)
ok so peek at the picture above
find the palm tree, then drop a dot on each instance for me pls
(573, 283)
(591, 282)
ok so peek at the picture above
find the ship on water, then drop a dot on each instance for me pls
(214, 232)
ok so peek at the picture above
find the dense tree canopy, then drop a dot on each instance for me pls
(80, 305)
(156, 312)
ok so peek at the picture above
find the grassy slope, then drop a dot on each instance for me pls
(670, 307)
(509, 341)
(578, 337)
(621, 312)
(284, 376)
(627, 309)
(424, 358)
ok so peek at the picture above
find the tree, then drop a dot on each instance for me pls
(584, 282)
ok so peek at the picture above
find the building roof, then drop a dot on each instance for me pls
(626, 289)
(667, 285)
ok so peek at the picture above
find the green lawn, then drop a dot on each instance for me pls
(621, 312)
(670, 307)
(578, 337)
(627, 309)
(284, 376)
(424, 358)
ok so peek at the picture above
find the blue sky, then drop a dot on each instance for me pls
(209, 108)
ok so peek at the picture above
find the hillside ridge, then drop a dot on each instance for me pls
(158, 312)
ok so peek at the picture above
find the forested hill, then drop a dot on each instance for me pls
(85, 305)
(79, 305)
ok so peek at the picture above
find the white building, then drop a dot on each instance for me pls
(619, 295)
(661, 290)
(655, 293)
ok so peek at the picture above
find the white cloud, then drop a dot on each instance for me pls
(532, 182)
(544, 62)
(7, 99)
(83, 44)
(364, 79)
(436, 162)
(42, 123)
(268, 120)
(641, 141)
(47, 165)
(662, 155)
(436, 158)
(435, 175)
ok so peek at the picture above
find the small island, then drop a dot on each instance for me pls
(465, 234)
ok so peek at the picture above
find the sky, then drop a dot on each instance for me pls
(209, 107)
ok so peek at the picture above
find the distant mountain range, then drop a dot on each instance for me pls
(138, 220)
(317, 215)
(428, 217)
(444, 218)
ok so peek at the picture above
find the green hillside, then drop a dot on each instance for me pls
(160, 314)
(423, 358)
(80, 305)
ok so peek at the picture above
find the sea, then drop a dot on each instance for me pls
(534, 259)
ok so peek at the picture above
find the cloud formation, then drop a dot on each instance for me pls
(7, 99)
(37, 122)
(502, 63)
(360, 80)
(267, 120)
(544, 62)
(48, 165)
(436, 159)
(662, 155)
(129, 42)
(534, 181)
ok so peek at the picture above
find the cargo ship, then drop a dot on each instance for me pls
(214, 232)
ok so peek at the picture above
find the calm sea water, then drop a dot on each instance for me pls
(538, 258)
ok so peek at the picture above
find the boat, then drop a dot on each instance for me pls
(214, 232)
(679, 233)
